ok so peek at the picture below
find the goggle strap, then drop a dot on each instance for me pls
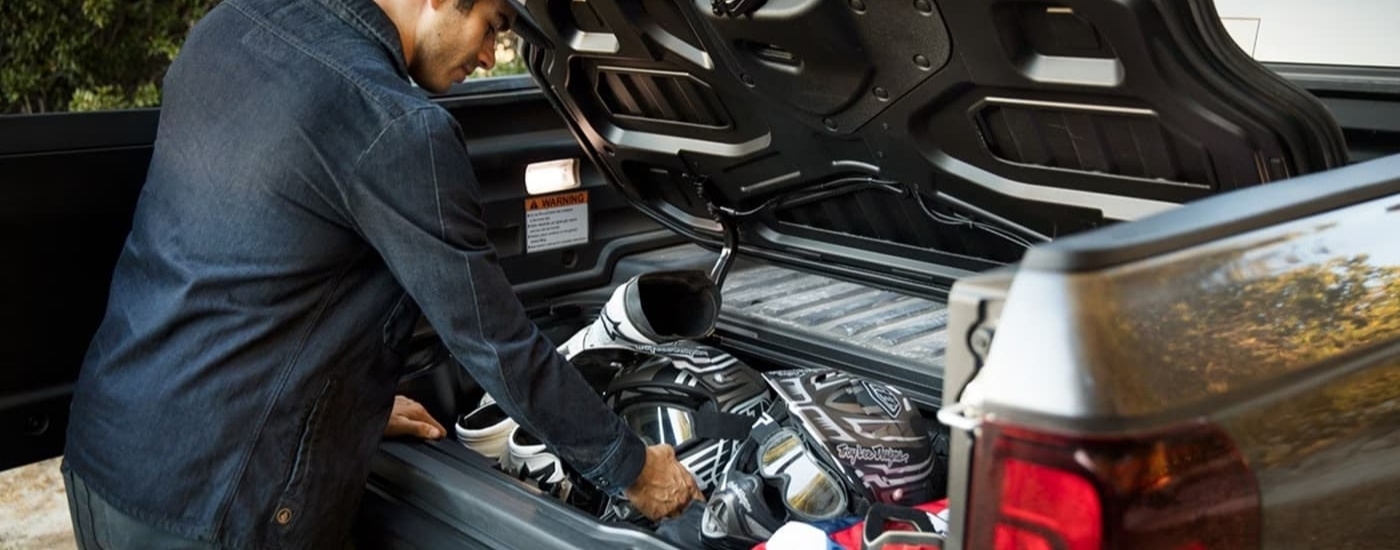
(711, 424)
(758, 433)
(881, 513)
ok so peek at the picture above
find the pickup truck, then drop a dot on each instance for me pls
(1145, 285)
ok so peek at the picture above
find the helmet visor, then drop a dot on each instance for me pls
(809, 491)
(661, 424)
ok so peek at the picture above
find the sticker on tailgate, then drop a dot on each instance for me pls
(556, 221)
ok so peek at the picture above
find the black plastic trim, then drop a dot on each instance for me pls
(488, 85)
(388, 523)
(505, 90)
(459, 488)
(1219, 217)
(608, 258)
(1340, 78)
(50, 132)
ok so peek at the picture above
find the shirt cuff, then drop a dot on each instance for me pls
(621, 465)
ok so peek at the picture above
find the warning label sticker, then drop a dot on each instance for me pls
(556, 221)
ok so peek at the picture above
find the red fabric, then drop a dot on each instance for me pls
(850, 537)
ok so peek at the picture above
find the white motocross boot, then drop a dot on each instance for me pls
(652, 309)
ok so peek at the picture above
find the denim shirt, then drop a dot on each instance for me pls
(303, 201)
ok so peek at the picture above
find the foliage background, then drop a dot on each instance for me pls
(89, 55)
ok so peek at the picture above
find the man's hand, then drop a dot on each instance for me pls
(410, 418)
(664, 488)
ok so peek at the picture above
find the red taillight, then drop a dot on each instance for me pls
(1036, 498)
(1180, 489)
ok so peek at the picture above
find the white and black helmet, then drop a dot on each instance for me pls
(875, 435)
(831, 445)
(696, 398)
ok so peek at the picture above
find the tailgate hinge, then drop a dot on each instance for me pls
(725, 218)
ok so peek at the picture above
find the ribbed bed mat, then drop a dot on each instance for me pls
(845, 314)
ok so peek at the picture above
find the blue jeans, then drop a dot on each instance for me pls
(97, 525)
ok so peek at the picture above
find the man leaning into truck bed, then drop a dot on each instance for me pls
(300, 188)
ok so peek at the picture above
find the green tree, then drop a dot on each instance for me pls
(89, 55)
(79, 55)
(508, 58)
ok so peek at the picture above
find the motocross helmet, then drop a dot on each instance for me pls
(696, 398)
(830, 446)
(669, 388)
(881, 446)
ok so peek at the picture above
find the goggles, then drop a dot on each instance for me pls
(662, 424)
(809, 491)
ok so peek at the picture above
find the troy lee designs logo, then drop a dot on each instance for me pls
(674, 351)
(878, 453)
